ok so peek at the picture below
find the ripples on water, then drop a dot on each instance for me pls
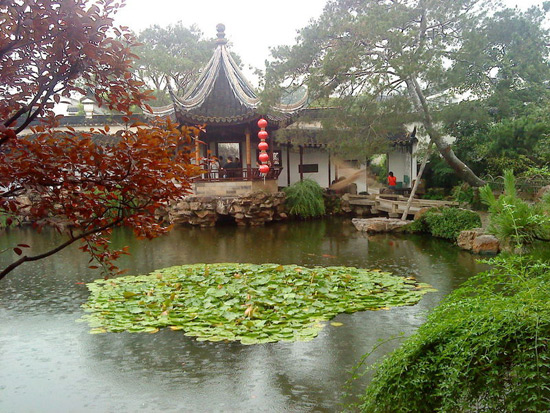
(50, 363)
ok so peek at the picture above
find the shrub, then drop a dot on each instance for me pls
(439, 174)
(435, 193)
(514, 222)
(446, 222)
(305, 199)
(463, 194)
(333, 203)
(484, 348)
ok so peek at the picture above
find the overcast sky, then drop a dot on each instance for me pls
(253, 26)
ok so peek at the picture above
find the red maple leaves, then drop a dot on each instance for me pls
(84, 184)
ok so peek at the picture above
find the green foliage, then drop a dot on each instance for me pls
(332, 202)
(7, 220)
(484, 348)
(380, 170)
(446, 222)
(389, 57)
(304, 199)
(514, 222)
(171, 55)
(439, 174)
(464, 194)
(542, 172)
(520, 143)
(434, 193)
(243, 302)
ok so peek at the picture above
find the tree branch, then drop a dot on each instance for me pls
(70, 241)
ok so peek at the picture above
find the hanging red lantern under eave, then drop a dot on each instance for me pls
(263, 134)
(263, 146)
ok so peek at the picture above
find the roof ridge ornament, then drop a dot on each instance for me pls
(221, 40)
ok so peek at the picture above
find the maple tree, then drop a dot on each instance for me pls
(84, 184)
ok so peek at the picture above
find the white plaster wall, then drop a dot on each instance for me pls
(402, 163)
(311, 156)
(319, 156)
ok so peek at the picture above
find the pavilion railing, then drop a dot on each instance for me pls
(238, 174)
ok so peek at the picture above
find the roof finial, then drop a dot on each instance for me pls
(221, 34)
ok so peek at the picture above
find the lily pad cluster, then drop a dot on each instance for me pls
(243, 302)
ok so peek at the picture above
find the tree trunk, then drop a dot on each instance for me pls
(417, 181)
(461, 169)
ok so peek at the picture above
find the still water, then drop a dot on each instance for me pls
(50, 363)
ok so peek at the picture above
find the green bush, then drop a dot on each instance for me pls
(435, 193)
(333, 203)
(537, 172)
(514, 222)
(305, 199)
(439, 174)
(463, 194)
(484, 348)
(446, 222)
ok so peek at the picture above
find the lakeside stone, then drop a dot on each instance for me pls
(486, 244)
(379, 225)
(476, 241)
(466, 238)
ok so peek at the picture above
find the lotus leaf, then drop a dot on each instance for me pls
(243, 302)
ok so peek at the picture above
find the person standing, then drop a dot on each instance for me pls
(239, 167)
(229, 167)
(214, 168)
(392, 180)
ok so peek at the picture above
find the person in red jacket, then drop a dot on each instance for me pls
(392, 180)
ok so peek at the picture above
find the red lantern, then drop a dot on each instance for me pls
(263, 146)
(263, 134)
(264, 157)
(264, 169)
(262, 123)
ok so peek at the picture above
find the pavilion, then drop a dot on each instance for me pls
(225, 102)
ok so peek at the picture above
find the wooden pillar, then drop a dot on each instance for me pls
(367, 164)
(301, 167)
(270, 137)
(329, 169)
(248, 147)
(197, 151)
(288, 163)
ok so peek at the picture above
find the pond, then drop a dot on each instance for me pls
(50, 363)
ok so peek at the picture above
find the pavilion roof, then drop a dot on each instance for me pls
(223, 96)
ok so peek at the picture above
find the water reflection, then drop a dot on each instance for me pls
(49, 360)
